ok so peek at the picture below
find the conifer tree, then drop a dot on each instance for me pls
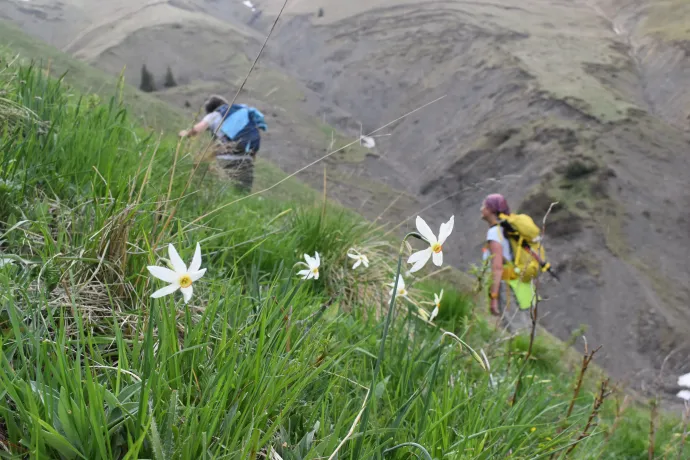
(169, 79)
(147, 83)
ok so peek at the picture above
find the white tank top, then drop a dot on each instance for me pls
(495, 233)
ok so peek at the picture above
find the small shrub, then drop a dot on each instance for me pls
(579, 168)
(545, 356)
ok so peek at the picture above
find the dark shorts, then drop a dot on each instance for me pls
(237, 165)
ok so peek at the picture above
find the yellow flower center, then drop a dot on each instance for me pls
(402, 291)
(315, 271)
(436, 247)
(185, 281)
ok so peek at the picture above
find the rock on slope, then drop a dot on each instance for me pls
(579, 102)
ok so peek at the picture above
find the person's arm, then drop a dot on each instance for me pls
(196, 129)
(497, 273)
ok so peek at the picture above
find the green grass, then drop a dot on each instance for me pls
(92, 367)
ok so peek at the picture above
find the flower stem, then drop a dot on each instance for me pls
(427, 400)
(382, 348)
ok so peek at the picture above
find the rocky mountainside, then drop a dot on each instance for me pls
(576, 102)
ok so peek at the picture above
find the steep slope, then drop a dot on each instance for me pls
(543, 102)
(578, 102)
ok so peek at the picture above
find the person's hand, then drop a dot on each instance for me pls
(184, 133)
(494, 307)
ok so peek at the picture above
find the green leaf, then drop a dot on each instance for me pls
(58, 442)
(66, 417)
(156, 440)
(380, 387)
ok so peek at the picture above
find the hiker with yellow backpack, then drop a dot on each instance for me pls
(513, 242)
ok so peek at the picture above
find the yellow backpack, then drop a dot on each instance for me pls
(524, 236)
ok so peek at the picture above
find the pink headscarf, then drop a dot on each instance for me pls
(497, 204)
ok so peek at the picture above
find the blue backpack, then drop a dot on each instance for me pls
(241, 122)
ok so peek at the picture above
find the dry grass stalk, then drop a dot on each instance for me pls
(586, 359)
(620, 410)
(652, 429)
(598, 401)
(352, 428)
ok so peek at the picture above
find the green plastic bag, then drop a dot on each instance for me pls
(524, 293)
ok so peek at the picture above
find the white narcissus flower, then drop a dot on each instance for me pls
(180, 277)
(437, 303)
(313, 263)
(684, 380)
(359, 259)
(684, 394)
(420, 258)
(402, 291)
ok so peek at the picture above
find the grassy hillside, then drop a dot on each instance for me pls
(259, 363)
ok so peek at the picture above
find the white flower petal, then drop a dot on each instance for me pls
(164, 274)
(365, 260)
(353, 256)
(196, 260)
(420, 259)
(420, 255)
(433, 314)
(176, 260)
(310, 261)
(684, 380)
(438, 258)
(684, 394)
(401, 282)
(196, 275)
(169, 289)
(357, 264)
(318, 259)
(304, 273)
(315, 276)
(436, 299)
(425, 231)
(445, 230)
(187, 293)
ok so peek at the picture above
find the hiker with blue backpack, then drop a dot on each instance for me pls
(235, 130)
